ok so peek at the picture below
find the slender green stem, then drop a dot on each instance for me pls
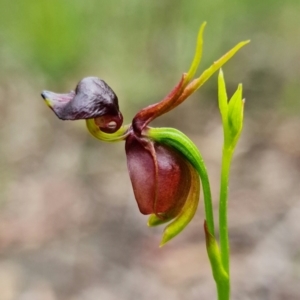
(223, 223)
(207, 198)
(219, 273)
(223, 289)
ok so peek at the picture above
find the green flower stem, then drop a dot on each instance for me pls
(223, 289)
(232, 119)
(223, 222)
(219, 273)
(184, 145)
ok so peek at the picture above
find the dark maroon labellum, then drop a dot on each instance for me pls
(92, 98)
(160, 177)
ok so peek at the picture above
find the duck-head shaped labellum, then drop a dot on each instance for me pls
(92, 99)
(160, 177)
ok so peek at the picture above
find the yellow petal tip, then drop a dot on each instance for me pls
(163, 242)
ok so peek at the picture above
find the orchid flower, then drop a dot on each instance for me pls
(164, 165)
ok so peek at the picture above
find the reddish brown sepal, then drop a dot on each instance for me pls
(149, 113)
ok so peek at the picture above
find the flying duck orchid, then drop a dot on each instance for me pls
(164, 165)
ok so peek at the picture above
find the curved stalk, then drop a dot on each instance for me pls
(184, 145)
(95, 131)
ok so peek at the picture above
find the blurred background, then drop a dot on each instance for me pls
(69, 225)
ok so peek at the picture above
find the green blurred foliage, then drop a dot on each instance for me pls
(46, 35)
(142, 47)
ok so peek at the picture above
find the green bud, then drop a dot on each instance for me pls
(231, 113)
(235, 113)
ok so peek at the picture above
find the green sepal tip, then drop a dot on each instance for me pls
(198, 55)
(222, 96)
(154, 220)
